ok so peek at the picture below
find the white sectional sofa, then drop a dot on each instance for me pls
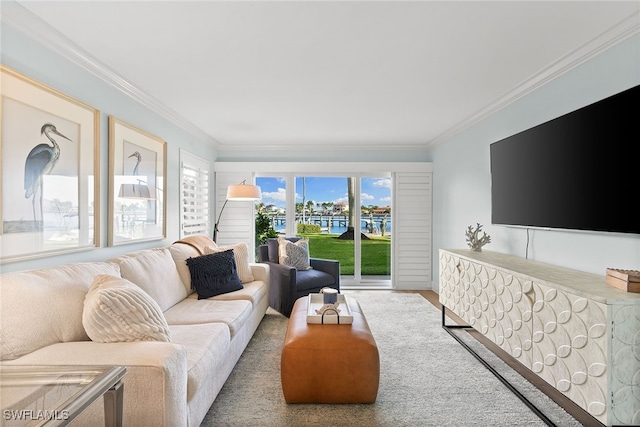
(167, 383)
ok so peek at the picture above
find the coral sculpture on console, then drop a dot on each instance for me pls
(474, 240)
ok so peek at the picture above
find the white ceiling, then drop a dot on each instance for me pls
(359, 74)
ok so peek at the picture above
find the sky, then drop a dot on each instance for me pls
(375, 191)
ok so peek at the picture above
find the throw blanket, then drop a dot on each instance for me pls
(198, 242)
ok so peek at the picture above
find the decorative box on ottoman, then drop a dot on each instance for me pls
(329, 363)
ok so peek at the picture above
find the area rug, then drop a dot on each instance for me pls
(426, 378)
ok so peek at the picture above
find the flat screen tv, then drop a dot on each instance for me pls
(580, 171)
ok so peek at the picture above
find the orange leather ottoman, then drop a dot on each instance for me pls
(329, 363)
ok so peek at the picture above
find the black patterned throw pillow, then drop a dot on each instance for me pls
(214, 274)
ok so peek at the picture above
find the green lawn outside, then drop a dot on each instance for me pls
(376, 253)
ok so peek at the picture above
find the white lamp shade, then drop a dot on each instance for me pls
(244, 192)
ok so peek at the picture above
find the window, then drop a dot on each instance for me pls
(194, 191)
(274, 201)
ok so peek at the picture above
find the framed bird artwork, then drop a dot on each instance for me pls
(137, 170)
(49, 184)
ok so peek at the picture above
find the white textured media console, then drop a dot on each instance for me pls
(568, 327)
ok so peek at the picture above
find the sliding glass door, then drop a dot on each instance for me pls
(376, 225)
(344, 217)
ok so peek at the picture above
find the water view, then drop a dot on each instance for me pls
(337, 224)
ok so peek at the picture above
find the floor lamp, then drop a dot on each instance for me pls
(238, 192)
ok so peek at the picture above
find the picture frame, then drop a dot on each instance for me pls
(137, 193)
(50, 178)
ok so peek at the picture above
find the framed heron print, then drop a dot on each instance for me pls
(49, 184)
(137, 169)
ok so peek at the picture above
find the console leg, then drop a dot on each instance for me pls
(113, 400)
(515, 391)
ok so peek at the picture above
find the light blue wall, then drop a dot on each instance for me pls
(462, 178)
(33, 60)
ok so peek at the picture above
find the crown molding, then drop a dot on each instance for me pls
(325, 167)
(607, 39)
(32, 26)
(359, 147)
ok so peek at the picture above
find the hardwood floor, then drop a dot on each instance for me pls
(574, 410)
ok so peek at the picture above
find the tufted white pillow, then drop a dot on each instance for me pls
(116, 310)
(241, 255)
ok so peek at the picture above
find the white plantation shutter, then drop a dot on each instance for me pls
(238, 221)
(411, 233)
(194, 195)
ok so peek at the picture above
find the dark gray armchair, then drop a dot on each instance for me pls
(288, 284)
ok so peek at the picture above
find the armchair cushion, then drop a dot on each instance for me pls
(313, 280)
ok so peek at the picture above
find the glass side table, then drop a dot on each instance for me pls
(55, 395)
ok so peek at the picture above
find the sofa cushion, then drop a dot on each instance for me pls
(43, 307)
(207, 345)
(155, 272)
(241, 255)
(214, 274)
(116, 310)
(313, 279)
(192, 311)
(252, 291)
(294, 254)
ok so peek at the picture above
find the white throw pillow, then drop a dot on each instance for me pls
(116, 310)
(241, 255)
(155, 272)
(180, 252)
(294, 254)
